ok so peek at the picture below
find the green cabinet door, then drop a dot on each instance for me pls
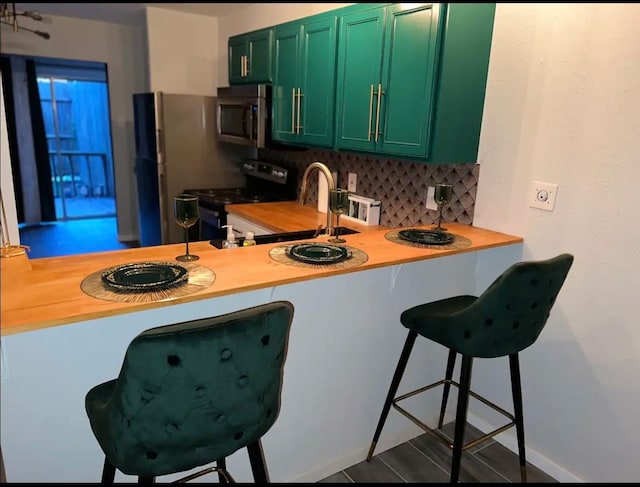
(304, 81)
(237, 47)
(408, 79)
(358, 76)
(285, 83)
(464, 65)
(259, 57)
(250, 57)
(317, 81)
(387, 72)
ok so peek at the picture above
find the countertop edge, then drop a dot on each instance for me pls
(208, 294)
(53, 283)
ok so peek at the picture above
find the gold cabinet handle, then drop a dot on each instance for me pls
(299, 97)
(242, 66)
(246, 65)
(380, 93)
(293, 110)
(370, 114)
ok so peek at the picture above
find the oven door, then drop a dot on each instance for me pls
(242, 121)
(211, 222)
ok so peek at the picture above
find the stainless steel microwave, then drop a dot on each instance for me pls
(244, 115)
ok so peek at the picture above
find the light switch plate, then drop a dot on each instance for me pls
(352, 182)
(431, 202)
(543, 195)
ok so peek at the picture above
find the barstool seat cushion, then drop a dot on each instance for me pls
(505, 319)
(192, 393)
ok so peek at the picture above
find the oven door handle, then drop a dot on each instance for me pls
(208, 215)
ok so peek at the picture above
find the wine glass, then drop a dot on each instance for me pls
(186, 212)
(338, 204)
(442, 196)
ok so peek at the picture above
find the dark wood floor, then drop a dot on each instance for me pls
(72, 237)
(427, 459)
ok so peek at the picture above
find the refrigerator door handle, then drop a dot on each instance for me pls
(159, 146)
(164, 204)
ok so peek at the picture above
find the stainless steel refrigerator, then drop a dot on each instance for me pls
(176, 149)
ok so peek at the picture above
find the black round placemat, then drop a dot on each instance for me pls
(332, 254)
(427, 237)
(459, 242)
(358, 257)
(144, 276)
(200, 278)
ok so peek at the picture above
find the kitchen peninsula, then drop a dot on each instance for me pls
(59, 342)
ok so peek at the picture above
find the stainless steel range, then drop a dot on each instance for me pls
(265, 182)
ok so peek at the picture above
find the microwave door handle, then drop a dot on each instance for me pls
(245, 131)
(244, 123)
(247, 122)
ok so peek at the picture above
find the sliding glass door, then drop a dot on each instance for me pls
(76, 118)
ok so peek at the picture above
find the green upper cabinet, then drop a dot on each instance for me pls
(250, 57)
(284, 101)
(304, 81)
(386, 79)
(393, 79)
(462, 82)
(411, 80)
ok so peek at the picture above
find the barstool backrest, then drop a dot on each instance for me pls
(511, 313)
(191, 393)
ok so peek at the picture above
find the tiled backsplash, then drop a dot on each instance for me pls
(400, 185)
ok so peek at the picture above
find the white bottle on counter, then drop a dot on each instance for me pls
(230, 242)
(248, 240)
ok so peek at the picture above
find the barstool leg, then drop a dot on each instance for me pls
(222, 465)
(518, 412)
(451, 362)
(461, 416)
(258, 465)
(108, 472)
(395, 382)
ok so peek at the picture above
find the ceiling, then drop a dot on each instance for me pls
(126, 13)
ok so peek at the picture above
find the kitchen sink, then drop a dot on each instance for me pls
(283, 237)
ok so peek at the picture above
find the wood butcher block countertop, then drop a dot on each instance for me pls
(289, 216)
(43, 293)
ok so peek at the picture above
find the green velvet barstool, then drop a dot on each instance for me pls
(191, 394)
(504, 320)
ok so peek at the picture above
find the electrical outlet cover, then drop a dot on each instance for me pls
(543, 195)
(352, 182)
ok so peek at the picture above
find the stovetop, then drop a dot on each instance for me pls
(265, 182)
(227, 196)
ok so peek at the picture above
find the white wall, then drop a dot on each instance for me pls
(6, 181)
(123, 49)
(563, 106)
(183, 52)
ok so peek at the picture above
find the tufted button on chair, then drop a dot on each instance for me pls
(192, 393)
(505, 319)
